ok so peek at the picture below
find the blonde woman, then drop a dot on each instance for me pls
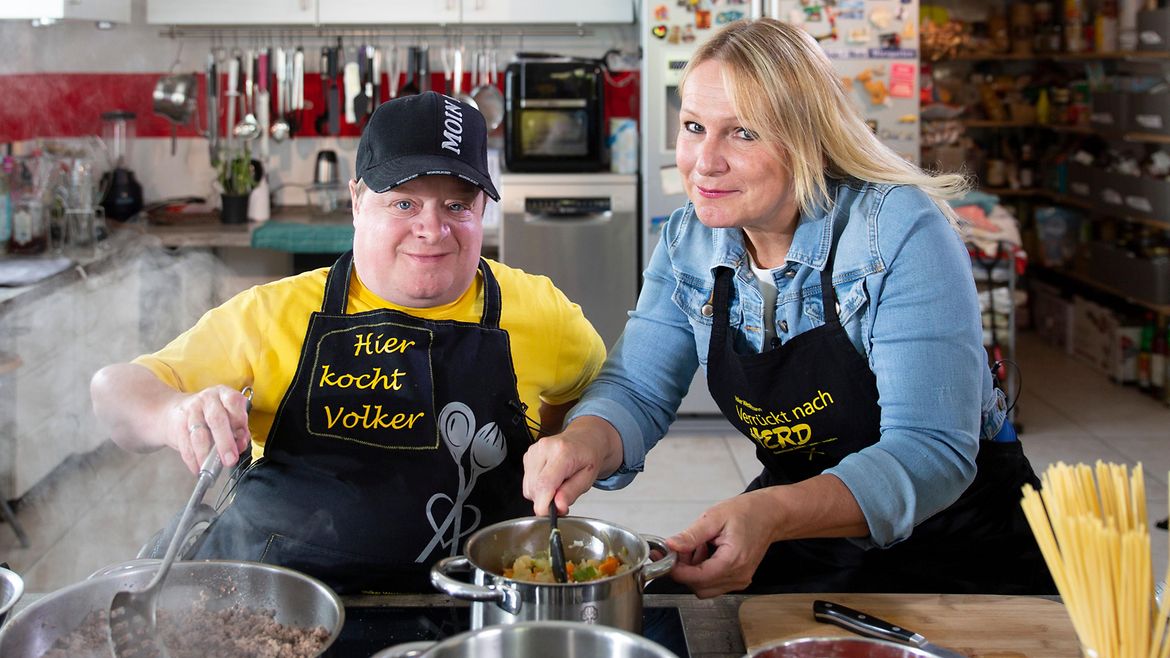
(816, 277)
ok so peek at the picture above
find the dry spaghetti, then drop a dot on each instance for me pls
(1094, 536)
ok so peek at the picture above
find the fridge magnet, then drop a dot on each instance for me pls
(909, 30)
(675, 35)
(703, 19)
(902, 79)
(661, 13)
(688, 35)
(908, 118)
(851, 10)
(890, 41)
(857, 35)
(881, 17)
(659, 31)
(730, 16)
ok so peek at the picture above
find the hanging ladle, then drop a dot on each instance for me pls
(556, 547)
(248, 128)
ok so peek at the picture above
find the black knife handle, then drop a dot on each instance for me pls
(863, 624)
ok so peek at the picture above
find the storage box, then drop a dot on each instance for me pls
(1149, 198)
(1153, 29)
(1109, 111)
(1081, 180)
(1143, 279)
(1051, 315)
(1149, 113)
(1094, 333)
(1112, 188)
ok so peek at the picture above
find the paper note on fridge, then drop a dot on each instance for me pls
(671, 180)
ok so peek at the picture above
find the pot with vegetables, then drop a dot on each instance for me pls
(512, 578)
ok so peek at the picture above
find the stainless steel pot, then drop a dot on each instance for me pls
(837, 647)
(535, 639)
(298, 600)
(11, 588)
(612, 601)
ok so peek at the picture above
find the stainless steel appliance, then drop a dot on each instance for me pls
(554, 115)
(580, 230)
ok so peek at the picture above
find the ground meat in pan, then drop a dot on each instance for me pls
(200, 632)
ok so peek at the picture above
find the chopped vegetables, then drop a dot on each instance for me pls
(537, 568)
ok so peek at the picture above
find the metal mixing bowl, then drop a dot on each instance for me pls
(536, 639)
(298, 600)
(837, 647)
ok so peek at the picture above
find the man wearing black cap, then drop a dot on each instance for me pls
(389, 419)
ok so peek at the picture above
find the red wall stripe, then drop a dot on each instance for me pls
(71, 104)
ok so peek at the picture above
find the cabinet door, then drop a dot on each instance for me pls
(232, 12)
(364, 12)
(542, 11)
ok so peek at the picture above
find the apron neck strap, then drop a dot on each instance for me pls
(337, 290)
(337, 285)
(828, 295)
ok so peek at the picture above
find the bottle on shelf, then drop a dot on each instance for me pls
(1145, 353)
(1027, 166)
(1158, 365)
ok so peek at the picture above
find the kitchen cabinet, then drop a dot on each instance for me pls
(66, 328)
(117, 11)
(337, 12)
(232, 12)
(365, 12)
(541, 11)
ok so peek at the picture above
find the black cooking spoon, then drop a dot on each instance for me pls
(556, 548)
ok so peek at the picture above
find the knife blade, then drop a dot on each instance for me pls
(870, 626)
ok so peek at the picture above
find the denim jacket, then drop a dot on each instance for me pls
(907, 301)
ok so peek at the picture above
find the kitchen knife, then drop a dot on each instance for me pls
(870, 626)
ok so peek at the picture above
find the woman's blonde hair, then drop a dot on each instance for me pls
(786, 92)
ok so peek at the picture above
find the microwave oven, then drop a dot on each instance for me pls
(554, 116)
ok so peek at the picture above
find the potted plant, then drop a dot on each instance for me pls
(236, 180)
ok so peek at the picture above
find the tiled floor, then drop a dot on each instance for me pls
(99, 508)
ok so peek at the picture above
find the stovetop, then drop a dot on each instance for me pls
(368, 630)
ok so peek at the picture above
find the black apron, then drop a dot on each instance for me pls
(396, 439)
(812, 401)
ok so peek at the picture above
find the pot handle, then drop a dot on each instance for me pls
(507, 598)
(652, 569)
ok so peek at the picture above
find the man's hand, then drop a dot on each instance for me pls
(216, 416)
(142, 414)
(740, 529)
(564, 466)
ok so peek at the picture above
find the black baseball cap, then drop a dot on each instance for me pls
(424, 135)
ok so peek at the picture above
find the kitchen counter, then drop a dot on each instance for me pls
(205, 229)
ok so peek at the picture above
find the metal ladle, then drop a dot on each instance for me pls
(248, 128)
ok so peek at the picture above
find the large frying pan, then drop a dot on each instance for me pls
(298, 599)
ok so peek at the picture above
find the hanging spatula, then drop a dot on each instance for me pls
(133, 631)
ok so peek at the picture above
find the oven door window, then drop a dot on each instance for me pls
(554, 133)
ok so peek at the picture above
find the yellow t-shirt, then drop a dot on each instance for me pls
(256, 336)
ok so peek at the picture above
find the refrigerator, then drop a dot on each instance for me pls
(874, 47)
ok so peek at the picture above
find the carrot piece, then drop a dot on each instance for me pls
(570, 568)
(609, 565)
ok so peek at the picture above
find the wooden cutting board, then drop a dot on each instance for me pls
(981, 626)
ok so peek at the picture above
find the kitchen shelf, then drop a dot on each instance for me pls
(1067, 200)
(1009, 192)
(1160, 309)
(1057, 57)
(1136, 137)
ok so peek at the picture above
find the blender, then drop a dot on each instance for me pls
(123, 197)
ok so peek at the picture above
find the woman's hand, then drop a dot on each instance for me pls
(740, 529)
(214, 417)
(563, 466)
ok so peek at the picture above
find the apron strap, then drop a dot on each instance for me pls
(828, 295)
(337, 285)
(491, 297)
(721, 304)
